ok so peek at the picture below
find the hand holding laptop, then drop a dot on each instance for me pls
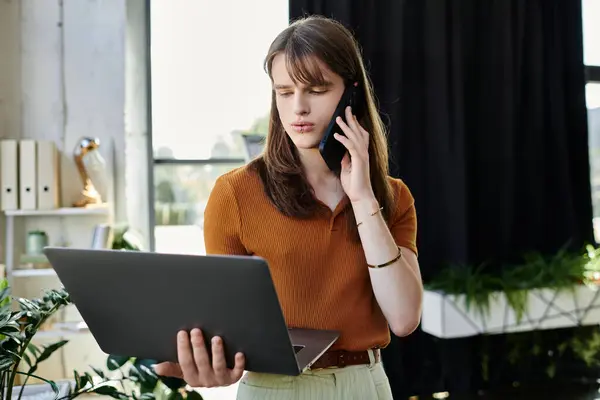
(194, 365)
(247, 315)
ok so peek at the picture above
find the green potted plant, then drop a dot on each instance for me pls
(541, 292)
(128, 378)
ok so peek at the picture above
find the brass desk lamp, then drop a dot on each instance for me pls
(86, 146)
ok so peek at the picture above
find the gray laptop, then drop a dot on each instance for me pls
(134, 303)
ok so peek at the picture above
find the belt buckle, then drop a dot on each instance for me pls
(341, 362)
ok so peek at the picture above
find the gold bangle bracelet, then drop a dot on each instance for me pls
(399, 256)
(372, 214)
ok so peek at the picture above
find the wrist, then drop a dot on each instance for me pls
(365, 206)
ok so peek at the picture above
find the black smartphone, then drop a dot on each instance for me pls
(331, 149)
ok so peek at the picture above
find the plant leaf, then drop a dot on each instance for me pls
(33, 349)
(175, 396)
(173, 383)
(27, 359)
(193, 395)
(111, 391)
(99, 372)
(6, 364)
(114, 362)
(48, 350)
(28, 305)
(51, 383)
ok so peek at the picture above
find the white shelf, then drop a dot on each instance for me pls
(34, 272)
(63, 211)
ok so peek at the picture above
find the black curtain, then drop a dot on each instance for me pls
(486, 109)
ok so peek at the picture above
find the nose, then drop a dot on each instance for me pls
(301, 106)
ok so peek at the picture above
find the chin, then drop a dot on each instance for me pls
(306, 141)
(306, 144)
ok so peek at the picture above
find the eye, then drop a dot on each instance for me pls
(317, 92)
(284, 94)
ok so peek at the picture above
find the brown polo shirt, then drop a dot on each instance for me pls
(320, 274)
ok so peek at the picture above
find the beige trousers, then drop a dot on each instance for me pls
(364, 382)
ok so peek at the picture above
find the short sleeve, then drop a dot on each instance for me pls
(222, 222)
(404, 218)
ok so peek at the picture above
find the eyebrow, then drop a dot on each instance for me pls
(324, 84)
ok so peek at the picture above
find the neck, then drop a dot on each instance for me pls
(315, 168)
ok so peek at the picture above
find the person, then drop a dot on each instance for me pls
(341, 247)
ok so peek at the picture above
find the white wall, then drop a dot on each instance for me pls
(10, 91)
(73, 81)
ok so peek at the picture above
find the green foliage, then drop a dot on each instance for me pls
(546, 349)
(561, 271)
(125, 239)
(17, 329)
(587, 347)
(130, 378)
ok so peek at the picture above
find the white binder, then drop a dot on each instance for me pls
(9, 198)
(47, 176)
(27, 175)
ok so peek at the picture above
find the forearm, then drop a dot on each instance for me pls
(397, 287)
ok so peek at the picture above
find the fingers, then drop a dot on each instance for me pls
(185, 355)
(194, 362)
(352, 123)
(348, 131)
(347, 143)
(362, 130)
(219, 364)
(199, 352)
(354, 132)
(168, 369)
(360, 133)
(238, 369)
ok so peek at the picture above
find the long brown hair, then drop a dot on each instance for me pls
(279, 166)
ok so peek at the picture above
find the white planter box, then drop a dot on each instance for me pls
(446, 316)
(42, 391)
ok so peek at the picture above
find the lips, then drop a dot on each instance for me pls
(303, 127)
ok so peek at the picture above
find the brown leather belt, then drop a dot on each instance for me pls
(342, 358)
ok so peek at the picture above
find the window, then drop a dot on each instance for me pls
(591, 57)
(593, 104)
(208, 85)
(591, 32)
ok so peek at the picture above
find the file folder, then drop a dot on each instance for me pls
(47, 176)
(9, 199)
(27, 175)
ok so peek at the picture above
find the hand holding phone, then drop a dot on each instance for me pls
(330, 148)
